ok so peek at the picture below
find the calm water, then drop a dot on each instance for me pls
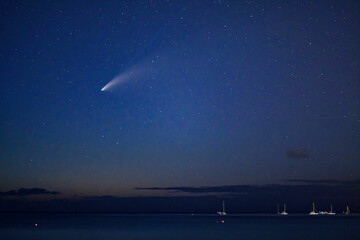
(114, 226)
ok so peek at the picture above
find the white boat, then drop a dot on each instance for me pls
(284, 212)
(331, 211)
(313, 212)
(223, 213)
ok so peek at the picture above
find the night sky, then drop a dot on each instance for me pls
(203, 100)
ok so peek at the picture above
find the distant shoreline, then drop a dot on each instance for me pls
(180, 214)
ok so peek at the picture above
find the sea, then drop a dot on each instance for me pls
(177, 226)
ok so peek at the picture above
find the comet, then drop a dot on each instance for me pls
(144, 69)
(122, 78)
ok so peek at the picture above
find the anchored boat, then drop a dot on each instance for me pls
(347, 210)
(284, 212)
(331, 211)
(313, 212)
(223, 213)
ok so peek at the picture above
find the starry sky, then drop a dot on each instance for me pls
(206, 93)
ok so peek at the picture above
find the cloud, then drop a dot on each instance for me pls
(320, 187)
(300, 153)
(105, 197)
(27, 192)
(326, 181)
(207, 189)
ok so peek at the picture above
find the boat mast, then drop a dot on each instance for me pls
(223, 206)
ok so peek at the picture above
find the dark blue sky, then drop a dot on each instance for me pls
(211, 93)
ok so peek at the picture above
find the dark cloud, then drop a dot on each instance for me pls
(313, 188)
(27, 191)
(209, 189)
(106, 197)
(327, 181)
(300, 153)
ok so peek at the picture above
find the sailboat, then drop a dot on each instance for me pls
(223, 213)
(331, 211)
(284, 212)
(278, 211)
(347, 210)
(313, 211)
